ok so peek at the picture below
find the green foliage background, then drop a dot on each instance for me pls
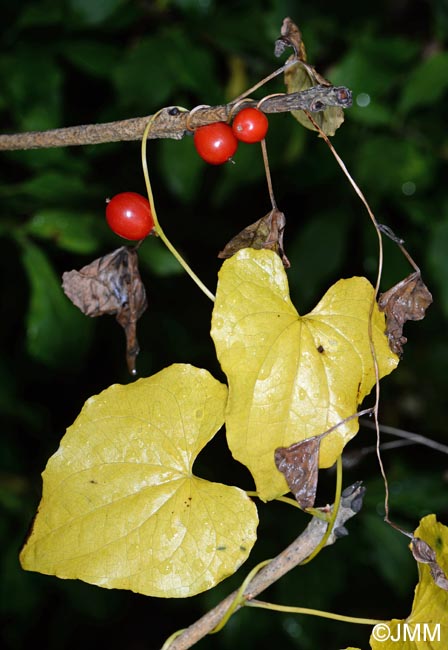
(87, 61)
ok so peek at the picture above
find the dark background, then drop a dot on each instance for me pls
(87, 61)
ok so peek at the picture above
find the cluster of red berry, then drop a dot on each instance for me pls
(216, 143)
(129, 214)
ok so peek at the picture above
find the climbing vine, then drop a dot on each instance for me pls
(121, 506)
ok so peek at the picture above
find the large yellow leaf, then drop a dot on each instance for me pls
(426, 628)
(291, 377)
(121, 507)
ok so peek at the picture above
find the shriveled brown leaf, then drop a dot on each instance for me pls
(407, 300)
(267, 232)
(290, 37)
(439, 576)
(302, 76)
(299, 464)
(111, 285)
(423, 553)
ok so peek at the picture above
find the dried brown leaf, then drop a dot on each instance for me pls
(111, 285)
(290, 37)
(407, 300)
(302, 76)
(267, 232)
(439, 576)
(423, 553)
(299, 464)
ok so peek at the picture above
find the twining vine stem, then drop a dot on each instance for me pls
(312, 612)
(175, 122)
(157, 227)
(372, 306)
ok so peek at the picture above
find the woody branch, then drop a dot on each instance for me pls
(288, 559)
(172, 122)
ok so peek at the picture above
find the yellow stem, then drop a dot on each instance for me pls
(288, 500)
(334, 514)
(171, 638)
(157, 227)
(312, 612)
(239, 599)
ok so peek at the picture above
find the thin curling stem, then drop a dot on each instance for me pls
(239, 599)
(334, 514)
(378, 231)
(157, 227)
(268, 174)
(312, 612)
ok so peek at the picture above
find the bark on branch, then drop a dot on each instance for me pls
(288, 559)
(172, 123)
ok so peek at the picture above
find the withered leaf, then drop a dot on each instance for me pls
(111, 285)
(302, 75)
(423, 553)
(290, 37)
(299, 464)
(407, 300)
(267, 232)
(439, 576)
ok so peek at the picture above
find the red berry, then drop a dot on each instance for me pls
(129, 215)
(215, 143)
(250, 125)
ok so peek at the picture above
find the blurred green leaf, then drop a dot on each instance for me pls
(414, 494)
(246, 168)
(373, 65)
(438, 260)
(249, 33)
(96, 11)
(11, 406)
(181, 166)
(51, 185)
(201, 6)
(69, 230)
(385, 163)
(371, 111)
(57, 334)
(315, 254)
(420, 211)
(154, 255)
(426, 83)
(45, 12)
(440, 8)
(58, 159)
(33, 90)
(143, 76)
(95, 58)
(159, 67)
(16, 593)
(388, 552)
(371, 69)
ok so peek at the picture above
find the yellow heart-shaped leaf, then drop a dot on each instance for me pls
(120, 505)
(291, 377)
